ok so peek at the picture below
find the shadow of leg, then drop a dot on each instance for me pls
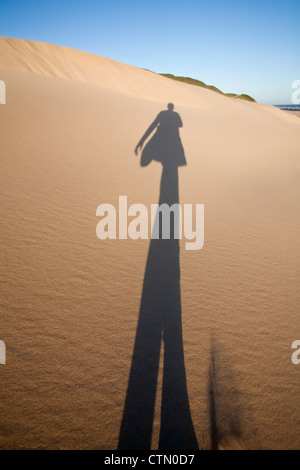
(160, 314)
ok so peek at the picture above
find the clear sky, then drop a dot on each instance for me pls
(241, 46)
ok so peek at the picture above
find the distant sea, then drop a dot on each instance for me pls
(290, 107)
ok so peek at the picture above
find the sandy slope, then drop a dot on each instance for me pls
(70, 302)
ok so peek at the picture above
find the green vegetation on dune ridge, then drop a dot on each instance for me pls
(193, 81)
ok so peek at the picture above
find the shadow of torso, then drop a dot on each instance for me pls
(165, 146)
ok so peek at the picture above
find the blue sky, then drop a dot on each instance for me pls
(239, 46)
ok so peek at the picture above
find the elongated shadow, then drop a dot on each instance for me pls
(224, 402)
(160, 320)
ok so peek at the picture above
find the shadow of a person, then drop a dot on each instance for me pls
(160, 315)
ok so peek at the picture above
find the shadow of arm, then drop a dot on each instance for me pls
(147, 133)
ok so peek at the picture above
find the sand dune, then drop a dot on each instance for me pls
(70, 302)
